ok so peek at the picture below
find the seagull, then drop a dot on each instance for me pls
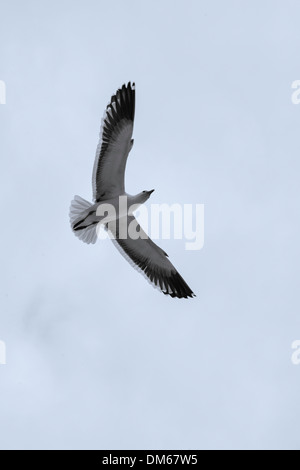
(113, 149)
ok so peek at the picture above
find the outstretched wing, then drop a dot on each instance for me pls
(114, 145)
(148, 258)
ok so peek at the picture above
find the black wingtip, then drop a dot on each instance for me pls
(122, 105)
(178, 288)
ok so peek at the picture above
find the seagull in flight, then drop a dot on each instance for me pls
(108, 187)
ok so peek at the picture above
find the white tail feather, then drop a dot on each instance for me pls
(78, 207)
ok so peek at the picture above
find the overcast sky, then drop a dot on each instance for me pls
(97, 358)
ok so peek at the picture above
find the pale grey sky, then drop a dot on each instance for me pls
(97, 358)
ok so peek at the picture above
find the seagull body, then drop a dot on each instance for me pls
(91, 215)
(114, 146)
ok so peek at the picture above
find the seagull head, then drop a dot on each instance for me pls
(146, 194)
